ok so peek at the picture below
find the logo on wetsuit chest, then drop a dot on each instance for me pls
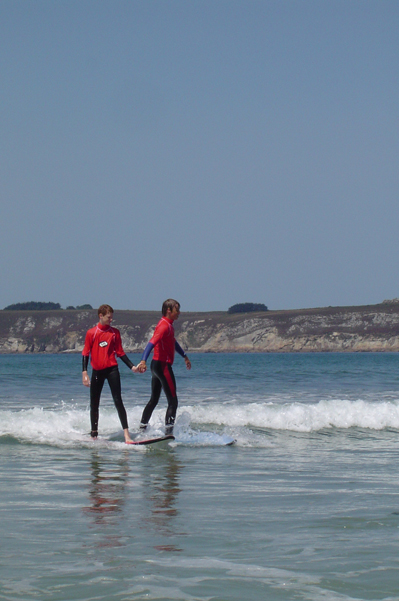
(104, 343)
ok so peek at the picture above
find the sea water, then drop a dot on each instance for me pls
(304, 505)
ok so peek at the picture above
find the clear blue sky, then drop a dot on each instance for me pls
(212, 151)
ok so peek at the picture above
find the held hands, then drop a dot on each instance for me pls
(141, 368)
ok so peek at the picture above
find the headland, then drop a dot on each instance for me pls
(370, 328)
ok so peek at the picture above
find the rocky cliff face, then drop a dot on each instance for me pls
(363, 329)
(371, 328)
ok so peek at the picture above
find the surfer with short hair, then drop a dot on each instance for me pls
(103, 344)
(164, 344)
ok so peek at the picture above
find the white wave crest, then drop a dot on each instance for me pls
(301, 417)
(69, 426)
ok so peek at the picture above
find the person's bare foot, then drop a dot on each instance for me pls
(128, 440)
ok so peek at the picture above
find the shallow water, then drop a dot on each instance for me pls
(305, 505)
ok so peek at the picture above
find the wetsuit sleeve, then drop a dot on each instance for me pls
(147, 351)
(126, 361)
(179, 349)
(86, 350)
(118, 344)
(88, 344)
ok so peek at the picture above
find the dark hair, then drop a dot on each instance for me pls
(170, 303)
(104, 309)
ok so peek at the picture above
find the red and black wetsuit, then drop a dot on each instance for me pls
(103, 344)
(164, 344)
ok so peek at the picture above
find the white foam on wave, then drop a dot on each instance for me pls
(63, 425)
(301, 417)
(204, 423)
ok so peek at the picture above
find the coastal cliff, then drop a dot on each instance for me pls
(330, 329)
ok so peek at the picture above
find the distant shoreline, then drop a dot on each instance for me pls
(370, 328)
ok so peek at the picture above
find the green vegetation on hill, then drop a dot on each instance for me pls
(247, 308)
(33, 306)
(36, 306)
(86, 307)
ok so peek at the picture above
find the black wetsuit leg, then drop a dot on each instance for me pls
(97, 382)
(162, 378)
(114, 381)
(96, 386)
